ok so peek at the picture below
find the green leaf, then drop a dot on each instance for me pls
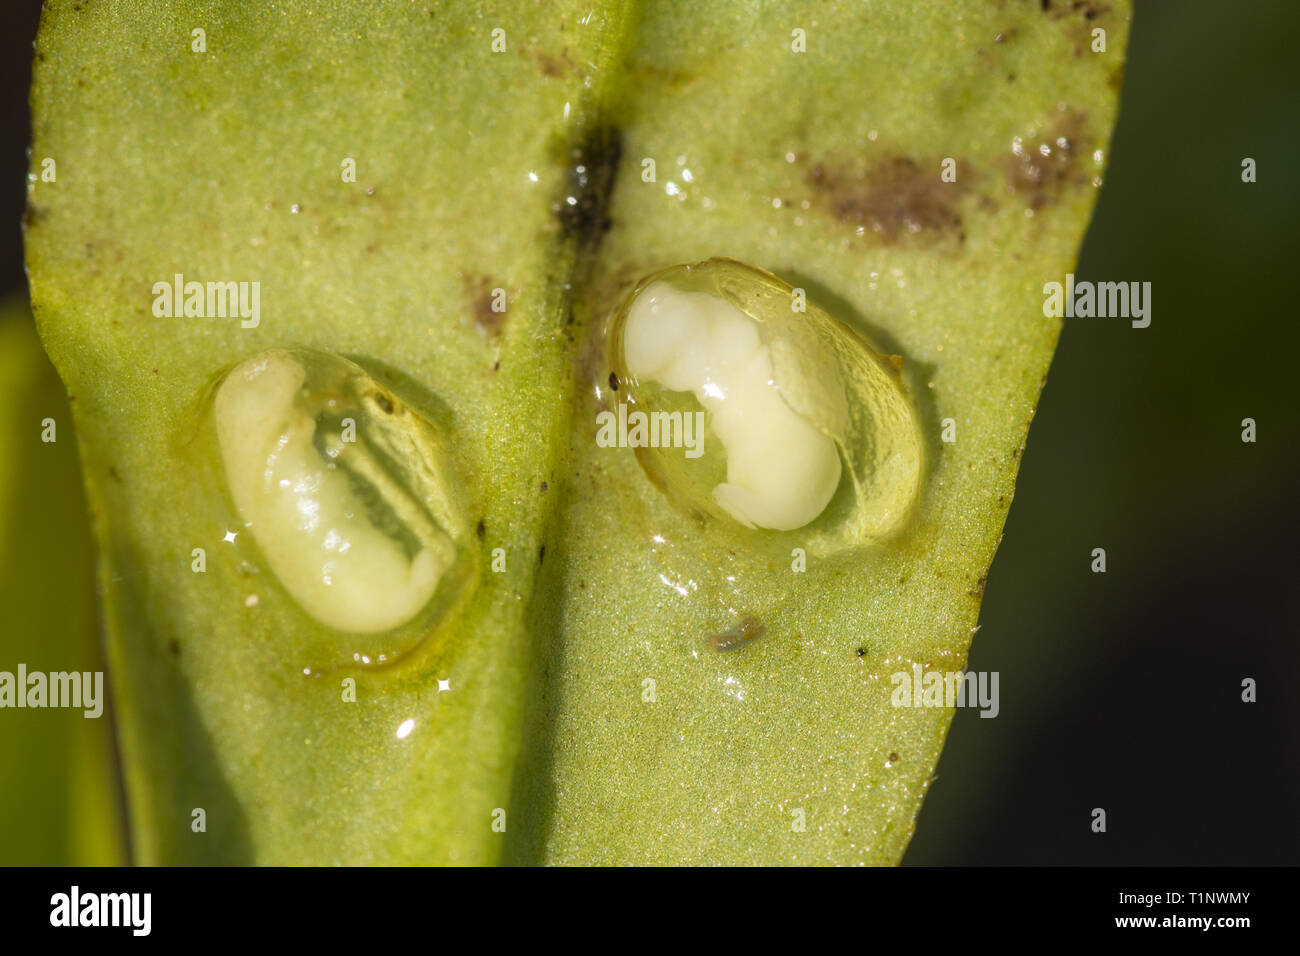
(525, 170)
(60, 803)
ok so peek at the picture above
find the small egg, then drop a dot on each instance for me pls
(807, 427)
(342, 486)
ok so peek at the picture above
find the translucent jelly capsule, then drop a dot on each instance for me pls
(342, 486)
(807, 426)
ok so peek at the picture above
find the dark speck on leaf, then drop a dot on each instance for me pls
(613, 381)
(1091, 10)
(480, 529)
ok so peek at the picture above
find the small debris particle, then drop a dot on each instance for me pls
(749, 628)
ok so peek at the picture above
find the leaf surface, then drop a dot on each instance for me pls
(525, 171)
(60, 804)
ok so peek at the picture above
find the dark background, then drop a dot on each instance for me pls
(1123, 690)
(1120, 690)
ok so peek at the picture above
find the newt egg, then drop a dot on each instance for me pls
(808, 426)
(343, 487)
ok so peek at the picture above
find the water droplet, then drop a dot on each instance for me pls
(804, 425)
(343, 487)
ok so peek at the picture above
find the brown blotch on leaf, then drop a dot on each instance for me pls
(1089, 9)
(479, 292)
(646, 73)
(554, 64)
(1041, 167)
(895, 199)
(749, 628)
(583, 211)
